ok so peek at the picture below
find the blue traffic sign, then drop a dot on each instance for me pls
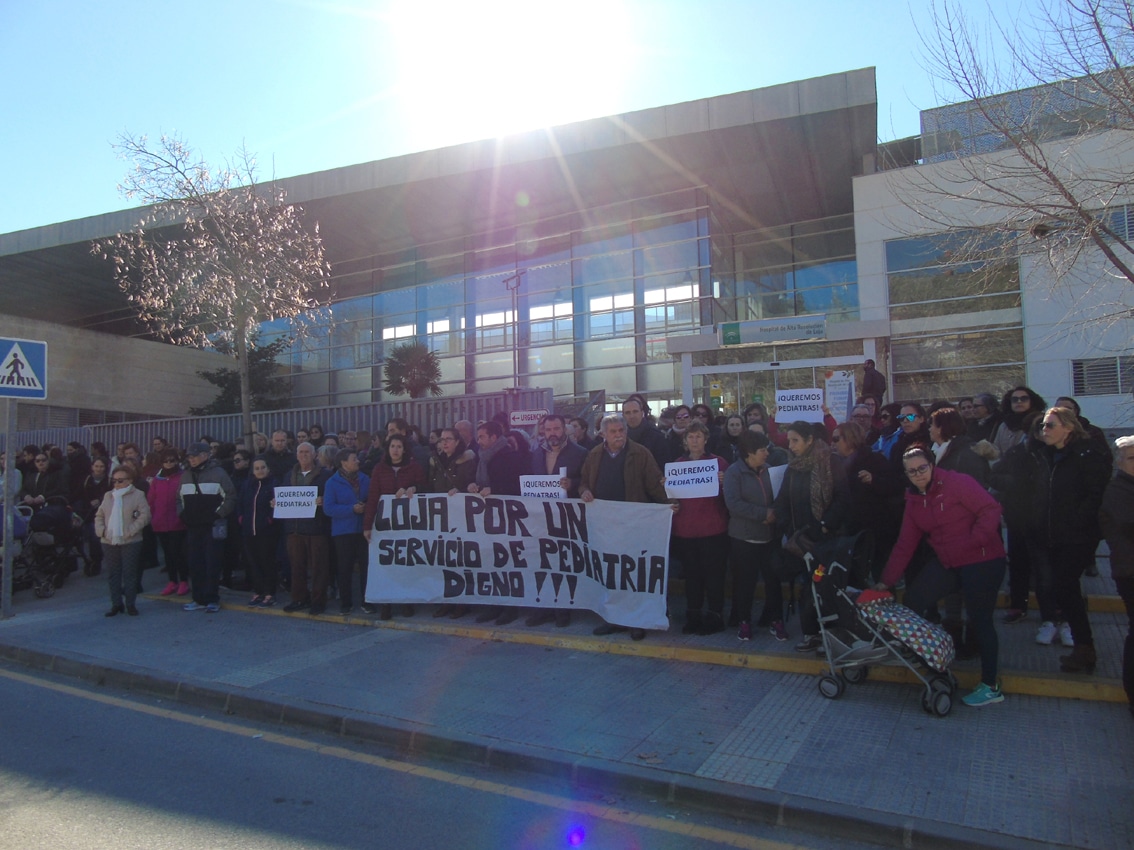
(23, 368)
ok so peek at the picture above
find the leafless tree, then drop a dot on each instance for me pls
(215, 254)
(1051, 113)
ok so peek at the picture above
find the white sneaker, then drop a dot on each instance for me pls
(1065, 634)
(1046, 633)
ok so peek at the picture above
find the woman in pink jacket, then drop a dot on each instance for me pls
(167, 525)
(962, 524)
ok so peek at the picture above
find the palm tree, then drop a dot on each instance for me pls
(411, 368)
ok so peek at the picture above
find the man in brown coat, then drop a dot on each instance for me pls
(620, 470)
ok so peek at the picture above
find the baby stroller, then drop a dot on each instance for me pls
(50, 549)
(865, 628)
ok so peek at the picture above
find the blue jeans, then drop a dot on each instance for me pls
(122, 571)
(979, 584)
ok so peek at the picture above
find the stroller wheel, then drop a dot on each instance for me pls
(942, 703)
(45, 589)
(943, 683)
(855, 675)
(832, 687)
(927, 695)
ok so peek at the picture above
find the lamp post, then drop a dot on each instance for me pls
(512, 283)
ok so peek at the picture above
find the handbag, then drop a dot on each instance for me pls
(220, 529)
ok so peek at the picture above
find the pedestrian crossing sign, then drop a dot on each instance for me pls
(23, 368)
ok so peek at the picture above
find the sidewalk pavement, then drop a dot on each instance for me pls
(739, 727)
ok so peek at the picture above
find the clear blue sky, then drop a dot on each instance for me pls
(315, 84)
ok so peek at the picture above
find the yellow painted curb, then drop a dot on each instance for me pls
(1059, 685)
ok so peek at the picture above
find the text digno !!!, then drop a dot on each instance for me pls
(565, 548)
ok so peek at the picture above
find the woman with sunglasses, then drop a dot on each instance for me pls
(1016, 404)
(961, 523)
(1077, 474)
(913, 431)
(119, 521)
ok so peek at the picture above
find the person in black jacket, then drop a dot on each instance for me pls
(1116, 518)
(812, 501)
(642, 431)
(952, 446)
(205, 500)
(1078, 477)
(876, 493)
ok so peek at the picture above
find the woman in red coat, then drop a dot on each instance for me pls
(962, 524)
(700, 540)
(398, 474)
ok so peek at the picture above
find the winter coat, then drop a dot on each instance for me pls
(206, 495)
(1078, 477)
(960, 457)
(91, 491)
(705, 516)
(958, 516)
(388, 480)
(318, 524)
(1116, 518)
(162, 498)
(339, 499)
(877, 505)
(451, 472)
(135, 517)
(571, 456)
(643, 478)
(793, 504)
(254, 511)
(748, 497)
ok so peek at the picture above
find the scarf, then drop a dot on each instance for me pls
(939, 449)
(486, 455)
(115, 526)
(352, 480)
(817, 464)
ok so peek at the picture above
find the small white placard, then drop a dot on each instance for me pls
(295, 502)
(542, 486)
(692, 479)
(798, 405)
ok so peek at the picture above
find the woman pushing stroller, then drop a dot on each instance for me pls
(961, 522)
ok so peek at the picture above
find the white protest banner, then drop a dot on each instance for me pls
(607, 557)
(692, 479)
(793, 405)
(542, 486)
(840, 394)
(295, 502)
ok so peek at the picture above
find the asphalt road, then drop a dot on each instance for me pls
(84, 767)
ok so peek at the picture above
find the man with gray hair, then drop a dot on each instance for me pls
(620, 470)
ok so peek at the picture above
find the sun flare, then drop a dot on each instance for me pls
(469, 71)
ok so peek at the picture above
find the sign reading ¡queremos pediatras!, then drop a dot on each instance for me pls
(606, 557)
(691, 479)
(295, 502)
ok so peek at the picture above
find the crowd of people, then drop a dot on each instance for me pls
(952, 496)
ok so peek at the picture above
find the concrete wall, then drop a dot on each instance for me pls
(105, 372)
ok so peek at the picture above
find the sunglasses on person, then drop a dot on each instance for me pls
(118, 479)
(907, 417)
(1019, 399)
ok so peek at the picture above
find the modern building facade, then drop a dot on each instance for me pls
(733, 245)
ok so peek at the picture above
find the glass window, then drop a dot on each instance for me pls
(663, 378)
(607, 352)
(607, 267)
(967, 281)
(958, 350)
(621, 381)
(954, 383)
(494, 364)
(682, 255)
(675, 228)
(603, 240)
